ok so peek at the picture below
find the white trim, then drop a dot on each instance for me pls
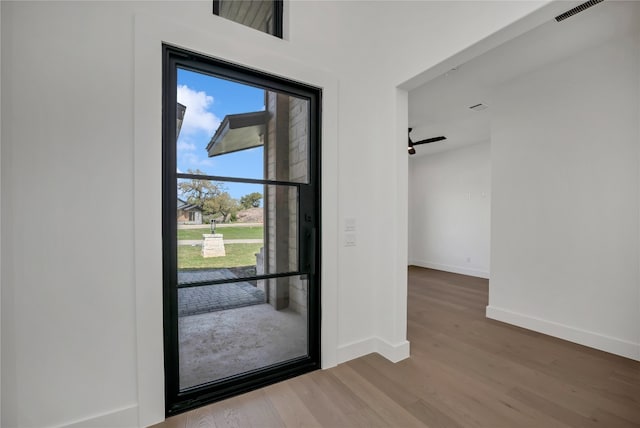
(357, 349)
(392, 352)
(0, 216)
(329, 223)
(150, 33)
(125, 417)
(638, 47)
(450, 268)
(591, 339)
(147, 228)
(401, 224)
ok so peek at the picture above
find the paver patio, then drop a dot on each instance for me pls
(211, 298)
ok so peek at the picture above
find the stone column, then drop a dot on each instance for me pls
(212, 245)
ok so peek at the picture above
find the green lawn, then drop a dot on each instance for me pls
(237, 255)
(231, 232)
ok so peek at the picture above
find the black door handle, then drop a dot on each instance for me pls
(311, 251)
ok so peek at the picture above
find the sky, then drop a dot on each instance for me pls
(209, 100)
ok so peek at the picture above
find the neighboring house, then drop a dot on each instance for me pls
(189, 213)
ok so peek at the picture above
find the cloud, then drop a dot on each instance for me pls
(190, 155)
(197, 117)
(186, 146)
(193, 160)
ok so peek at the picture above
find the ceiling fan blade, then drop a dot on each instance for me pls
(429, 140)
(412, 151)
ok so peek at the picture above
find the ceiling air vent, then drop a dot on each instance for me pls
(479, 107)
(577, 9)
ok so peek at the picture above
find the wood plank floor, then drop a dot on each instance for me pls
(464, 371)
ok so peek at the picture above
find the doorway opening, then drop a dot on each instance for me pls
(241, 213)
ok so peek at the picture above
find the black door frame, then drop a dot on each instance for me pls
(309, 228)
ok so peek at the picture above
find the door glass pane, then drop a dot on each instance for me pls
(237, 327)
(229, 129)
(241, 257)
(254, 230)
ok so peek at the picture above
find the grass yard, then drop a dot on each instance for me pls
(237, 255)
(230, 232)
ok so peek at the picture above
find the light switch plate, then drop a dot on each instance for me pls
(350, 240)
(349, 224)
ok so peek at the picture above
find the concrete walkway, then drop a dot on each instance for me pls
(224, 343)
(218, 225)
(226, 241)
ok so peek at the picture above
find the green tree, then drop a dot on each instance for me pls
(221, 205)
(212, 198)
(251, 200)
(197, 191)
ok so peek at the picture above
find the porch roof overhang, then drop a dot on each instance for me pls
(238, 132)
(180, 111)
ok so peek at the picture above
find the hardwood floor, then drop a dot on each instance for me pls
(464, 371)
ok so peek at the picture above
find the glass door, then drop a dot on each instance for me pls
(240, 226)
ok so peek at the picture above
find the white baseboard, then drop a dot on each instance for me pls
(450, 268)
(392, 352)
(126, 417)
(602, 342)
(357, 349)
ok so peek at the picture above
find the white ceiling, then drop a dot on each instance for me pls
(441, 106)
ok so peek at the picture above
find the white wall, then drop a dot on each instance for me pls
(81, 311)
(0, 213)
(638, 123)
(449, 210)
(565, 214)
